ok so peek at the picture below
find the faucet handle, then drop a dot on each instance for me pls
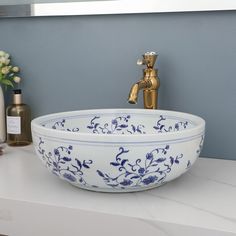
(140, 62)
(150, 54)
(149, 59)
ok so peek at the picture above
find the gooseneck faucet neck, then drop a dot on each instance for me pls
(149, 83)
(133, 95)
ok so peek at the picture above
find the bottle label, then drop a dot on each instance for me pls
(13, 125)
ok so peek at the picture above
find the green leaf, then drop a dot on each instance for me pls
(7, 82)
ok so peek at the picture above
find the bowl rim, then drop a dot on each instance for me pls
(197, 130)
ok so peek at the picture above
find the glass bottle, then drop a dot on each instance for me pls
(18, 121)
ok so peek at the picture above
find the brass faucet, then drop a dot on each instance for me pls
(149, 83)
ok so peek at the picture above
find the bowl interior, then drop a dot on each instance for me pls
(120, 122)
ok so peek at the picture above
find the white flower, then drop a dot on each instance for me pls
(3, 60)
(15, 69)
(2, 54)
(7, 61)
(5, 70)
(17, 79)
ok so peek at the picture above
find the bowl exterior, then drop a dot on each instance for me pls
(117, 166)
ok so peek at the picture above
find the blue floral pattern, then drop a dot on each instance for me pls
(160, 127)
(61, 164)
(123, 168)
(60, 125)
(200, 145)
(152, 169)
(117, 125)
(189, 165)
(123, 125)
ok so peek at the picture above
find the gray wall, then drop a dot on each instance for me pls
(83, 62)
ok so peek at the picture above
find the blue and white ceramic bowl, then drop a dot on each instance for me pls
(118, 150)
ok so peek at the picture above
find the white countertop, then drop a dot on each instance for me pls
(202, 200)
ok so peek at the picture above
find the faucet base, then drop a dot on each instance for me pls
(150, 99)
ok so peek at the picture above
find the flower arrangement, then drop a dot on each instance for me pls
(8, 73)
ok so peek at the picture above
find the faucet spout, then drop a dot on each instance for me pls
(133, 94)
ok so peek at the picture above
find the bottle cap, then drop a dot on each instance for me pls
(17, 99)
(17, 91)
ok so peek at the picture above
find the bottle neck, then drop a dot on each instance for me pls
(17, 99)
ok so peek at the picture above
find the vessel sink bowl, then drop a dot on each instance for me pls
(118, 150)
